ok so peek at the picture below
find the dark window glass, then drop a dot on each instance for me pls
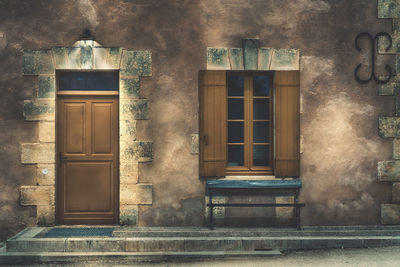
(235, 132)
(235, 109)
(235, 155)
(260, 155)
(235, 85)
(261, 109)
(261, 132)
(88, 81)
(261, 85)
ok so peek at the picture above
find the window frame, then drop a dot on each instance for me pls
(248, 167)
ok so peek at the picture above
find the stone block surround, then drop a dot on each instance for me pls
(86, 55)
(389, 171)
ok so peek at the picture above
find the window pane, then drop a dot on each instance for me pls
(261, 85)
(235, 155)
(89, 81)
(261, 132)
(235, 109)
(235, 132)
(235, 85)
(261, 109)
(260, 155)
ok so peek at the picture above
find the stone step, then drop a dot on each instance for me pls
(122, 257)
(255, 233)
(31, 240)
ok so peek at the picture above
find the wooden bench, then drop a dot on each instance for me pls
(223, 187)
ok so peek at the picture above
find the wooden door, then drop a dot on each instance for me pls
(87, 141)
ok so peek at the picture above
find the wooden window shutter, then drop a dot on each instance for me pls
(287, 123)
(212, 85)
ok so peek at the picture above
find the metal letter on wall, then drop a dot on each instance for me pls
(373, 41)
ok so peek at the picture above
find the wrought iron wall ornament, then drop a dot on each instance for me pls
(374, 41)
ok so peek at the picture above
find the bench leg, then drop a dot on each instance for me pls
(211, 207)
(297, 210)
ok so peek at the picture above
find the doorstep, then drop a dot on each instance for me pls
(160, 243)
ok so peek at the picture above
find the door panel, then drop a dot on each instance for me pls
(87, 139)
(101, 114)
(88, 187)
(75, 128)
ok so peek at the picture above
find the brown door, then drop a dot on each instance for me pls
(87, 140)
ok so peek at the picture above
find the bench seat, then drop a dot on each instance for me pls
(272, 184)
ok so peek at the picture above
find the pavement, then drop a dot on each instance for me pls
(367, 257)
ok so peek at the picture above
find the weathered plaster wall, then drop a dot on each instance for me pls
(340, 142)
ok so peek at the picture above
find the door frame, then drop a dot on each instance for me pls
(116, 172)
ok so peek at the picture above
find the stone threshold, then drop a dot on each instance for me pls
(136, 244)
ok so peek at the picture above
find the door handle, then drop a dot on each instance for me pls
(61, 158)
(205, 140)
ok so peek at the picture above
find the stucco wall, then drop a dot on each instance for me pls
(340, 143)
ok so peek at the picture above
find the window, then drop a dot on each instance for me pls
(237, 120)
(249, 122)
(88, 81)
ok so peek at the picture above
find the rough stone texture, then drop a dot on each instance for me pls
(38, 62)
(284, 213)
(107, 58)
(389, 126)
(45, 174)
(86, 54)
(134, 109)
(129, 87)
(397, 65)
(128, 214)
(60, 57)
(76, 244)
(194, 144)
(46, 86)
(397, 106)
(265, 55)
(45, 215)
(396, 148)
(138, 150)
(388, 9)
(389, 88)
(136, 63)
(132, 194)
(73, 57)
(144, 151)
(217, 59)
(396, 193)
(396, 26)
(127, 129)
(250, 53)
(236, 58)
(389, 170)
(136, 245)
(383, 44)
(39, 110)
(37, 153)
(285, 59)
(128, 172)
(390, 213)
(37, 195)
(47, 132)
